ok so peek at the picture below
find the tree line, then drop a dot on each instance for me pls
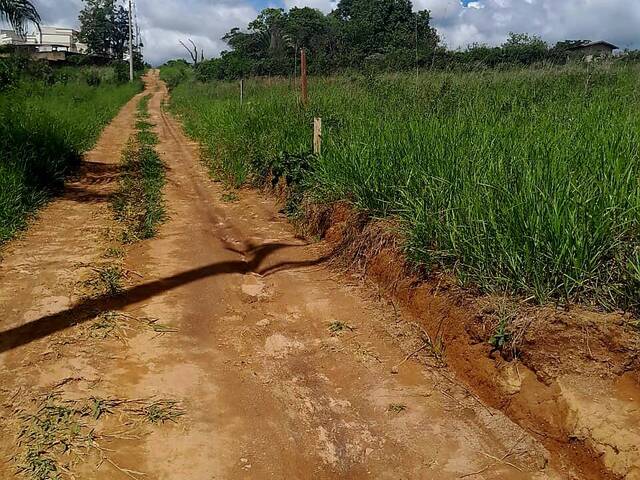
(358, 33)
(365, 35)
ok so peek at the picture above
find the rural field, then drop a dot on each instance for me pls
(357, 241)
(522, 181)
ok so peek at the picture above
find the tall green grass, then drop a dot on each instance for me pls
(44, 129)
(525, 181)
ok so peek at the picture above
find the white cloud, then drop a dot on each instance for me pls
(490, 21)
(440, 9)
(323, 5)
(205, 22)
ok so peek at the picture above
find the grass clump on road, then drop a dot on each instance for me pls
(140, 203)
(107, 280)
(337, 327)
(520, 181)
(56, 434)
(56, 428)
(162, 411)
(44, 129)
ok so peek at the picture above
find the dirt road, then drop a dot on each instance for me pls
(281, 367)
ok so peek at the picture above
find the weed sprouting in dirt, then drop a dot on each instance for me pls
(396, 408)
(143, 107)
(109, 325)
(158, 327)
(55, 434)
(139, 204)
(503, 335)
(161, 411)
(118, 325)
(144, 128)
(230, 197)
(115, 252)
(104, 327)
(107, 280)
(55, 431)
(145, 135)
(337, 327)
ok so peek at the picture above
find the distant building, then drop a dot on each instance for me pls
(589, 51)
(52, 43)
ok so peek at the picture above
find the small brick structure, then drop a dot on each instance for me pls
(591, 50)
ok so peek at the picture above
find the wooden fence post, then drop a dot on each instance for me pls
(303, 77)
(317, 136)
(241, 91)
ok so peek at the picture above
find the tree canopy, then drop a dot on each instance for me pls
(104, 27)
(382, 33)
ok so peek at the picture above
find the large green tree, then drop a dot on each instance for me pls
(319, 34)
(104, 27)
(19, 13)
(387, 28)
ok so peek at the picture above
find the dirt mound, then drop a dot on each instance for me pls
(569, 375)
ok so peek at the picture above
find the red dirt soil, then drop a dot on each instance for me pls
(574, 380)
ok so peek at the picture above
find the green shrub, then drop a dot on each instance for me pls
(175, 72)
(40, 70)
(8, 74)
(210, 70)
(92, 77)
(121, 72)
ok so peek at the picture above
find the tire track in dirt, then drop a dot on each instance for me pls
(283, 367)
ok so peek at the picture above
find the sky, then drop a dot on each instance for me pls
(165, 22)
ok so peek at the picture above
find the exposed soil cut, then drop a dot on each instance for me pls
(569, 376)
(231, 349)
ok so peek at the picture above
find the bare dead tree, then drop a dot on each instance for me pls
(193, 51)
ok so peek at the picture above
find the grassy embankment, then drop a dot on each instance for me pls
(44, 129)
(521, 181)
(139, 203)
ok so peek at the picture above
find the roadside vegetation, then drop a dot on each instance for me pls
(175, 72)
(48, 118)
(139, 203)
(523, 180)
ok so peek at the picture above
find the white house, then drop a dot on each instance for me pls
(48, 39)
(9, 37)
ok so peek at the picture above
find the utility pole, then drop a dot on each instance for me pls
(130, 42)
(417, 57)
(303, 77)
